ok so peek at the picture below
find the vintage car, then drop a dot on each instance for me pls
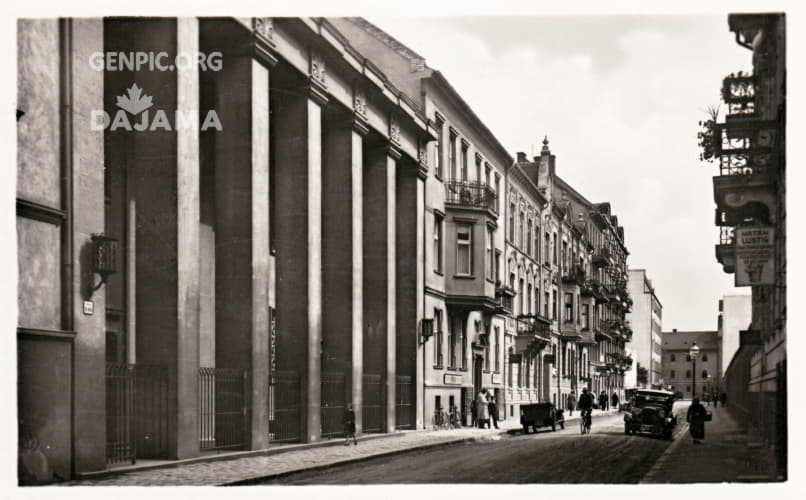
(541, 415)
(650, 411)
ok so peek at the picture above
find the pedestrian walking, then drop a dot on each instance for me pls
(571, 403)
(696, 416)
(474, 413)
(723, 398)
(603, 401)
(483, 409)
(349, 425)
(707, 398)
(614, 400)
(493, 408)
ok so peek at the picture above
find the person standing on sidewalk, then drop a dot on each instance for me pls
(483, 409)
(614, 400)
(349, 425)
(474, 413)
(571, 403)
(696, 419)
(493, 408)
(603, 401)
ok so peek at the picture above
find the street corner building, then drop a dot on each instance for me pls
(749, 150)
(229, 229)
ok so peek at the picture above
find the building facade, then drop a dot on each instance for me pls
(750, 194)
(691, 378)
(735, 315)
(646, 319)
(184, 288)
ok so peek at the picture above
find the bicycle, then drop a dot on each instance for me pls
(585, 422)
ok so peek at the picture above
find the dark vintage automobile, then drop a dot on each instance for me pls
(541, 415)
(650, 411)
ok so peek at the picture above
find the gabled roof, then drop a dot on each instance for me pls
(682, 341)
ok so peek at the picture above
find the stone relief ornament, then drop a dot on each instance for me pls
(265, 26)
(394, 130)
(318, 68)
(360, 103)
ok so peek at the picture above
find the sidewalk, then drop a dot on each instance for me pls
(285, 460)
(727, 454)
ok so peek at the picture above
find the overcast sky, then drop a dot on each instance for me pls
(619, 98)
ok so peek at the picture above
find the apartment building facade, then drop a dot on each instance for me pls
(646, 321)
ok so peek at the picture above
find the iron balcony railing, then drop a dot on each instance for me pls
(534, 325)
(574, 275)
(602, 258)
(471, 194)
(285, 407)
(739, 93)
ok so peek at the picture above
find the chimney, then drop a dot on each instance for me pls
(674, 330)
(521, 157)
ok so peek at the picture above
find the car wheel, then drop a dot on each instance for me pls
(562, 424)
(526, 429)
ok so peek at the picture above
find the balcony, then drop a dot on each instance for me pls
(574, 276)
(534, 332)
(505, 298)
(471, 194)
(726, 250)
(602, 258)
(739, 93)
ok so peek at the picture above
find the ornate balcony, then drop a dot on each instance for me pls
(602, 258)
(574, 276)
(470, 194)
(504, 297)
(739, 93)
(534, 332)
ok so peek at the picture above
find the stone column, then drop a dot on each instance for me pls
(380, 270)
(342, 249)
(241, 169)
(298, 176)
(165, 183)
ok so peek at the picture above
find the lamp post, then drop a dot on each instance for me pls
(693, 352)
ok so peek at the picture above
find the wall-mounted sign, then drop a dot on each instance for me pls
(452, 379)
(755, 257)
(548, 358)
(515, 358)
(497, 378)
(89, 307)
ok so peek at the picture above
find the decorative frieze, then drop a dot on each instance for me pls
(317, 69)
(264, 26)
(394, 130)
(360, 102)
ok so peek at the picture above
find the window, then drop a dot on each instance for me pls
(487, 353)
(438, 149)
(529, 237)
(688, 373)
(464, 243)
(673, 374)
(478, 170)
(464, 345)
(521, 221)
(437, 243)
(547, 251)
(521, 297)
(585, 317)
(554, 248)
(688, 388)
(579, 309)
(452, 155)
(512, 223)
(497, 193)
(705, 374)
(451, 342)
(705, 357)
(554, 304)
(464, 161)
(437, 403)
(546, 304)
(490, 264)
(497, 265)
(438, 335)
(537, 242)
(497, 349)
(671, 357)
(569, 308)
(529, 299)
(487, 171)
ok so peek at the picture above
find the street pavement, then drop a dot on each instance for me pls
(465, 456)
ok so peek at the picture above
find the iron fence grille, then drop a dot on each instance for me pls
(150, 411)
(333, 390)
(374, 400)
(404, 404)
(119, 413)
(285, 402)
(222, 408)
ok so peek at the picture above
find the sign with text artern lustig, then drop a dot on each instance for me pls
(755, 256)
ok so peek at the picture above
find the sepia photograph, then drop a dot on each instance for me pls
(371, 249)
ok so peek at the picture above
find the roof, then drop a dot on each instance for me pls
(679, 341)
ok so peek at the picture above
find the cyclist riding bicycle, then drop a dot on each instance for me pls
(585, 405)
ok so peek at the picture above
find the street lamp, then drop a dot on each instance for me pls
(693, 352)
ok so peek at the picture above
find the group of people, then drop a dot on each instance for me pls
(715, 397)
(571, 401)
(483, 409)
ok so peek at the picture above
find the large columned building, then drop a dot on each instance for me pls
(213, 254)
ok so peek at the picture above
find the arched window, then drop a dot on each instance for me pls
(671, 357)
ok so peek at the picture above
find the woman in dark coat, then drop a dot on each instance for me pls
(696, 420)
(349, 425)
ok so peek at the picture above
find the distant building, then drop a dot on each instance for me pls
(646, 320)
(735, 315)
(680, 373)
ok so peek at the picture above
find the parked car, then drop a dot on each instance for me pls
(541, 415)
(650, 411)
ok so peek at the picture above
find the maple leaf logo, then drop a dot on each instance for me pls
(135, 102)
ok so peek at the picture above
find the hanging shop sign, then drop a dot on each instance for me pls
(755, 256)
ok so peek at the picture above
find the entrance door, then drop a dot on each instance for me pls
(477, 362)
